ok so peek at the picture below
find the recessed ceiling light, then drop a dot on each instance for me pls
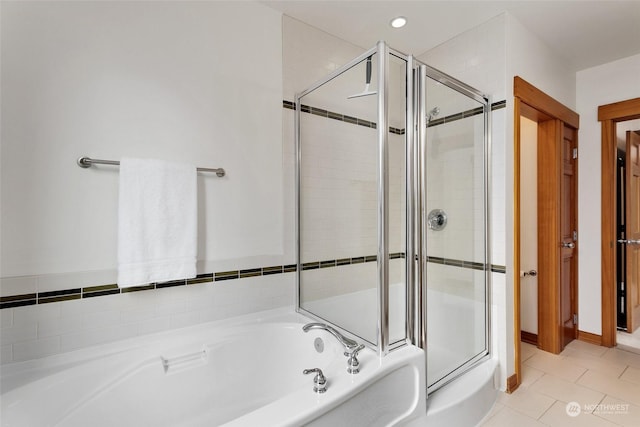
(398, 22)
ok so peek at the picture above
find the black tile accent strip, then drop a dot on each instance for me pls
(311, 265)
(325, 264)
(50, 294)
(201, 278)
(56, 296)
(466, 264)
(272, 270)
(463, 115)
(498, 105)
(171, 284)
(18, 297)
(337, 116)
(252, 272)
(98, 291)
(112, 289)
(291, 268)
(91, 289)
(101, 293)
(138, 288)
(59, 299)
(226, 275)
(366, 123)
(498, 268)
(18, 300)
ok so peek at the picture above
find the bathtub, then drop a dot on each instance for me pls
(465, 400)
(245, 371)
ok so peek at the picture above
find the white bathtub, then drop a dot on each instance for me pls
(245, 371)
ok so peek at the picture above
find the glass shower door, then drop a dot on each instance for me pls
(455, 209)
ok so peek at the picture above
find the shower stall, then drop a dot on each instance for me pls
(393, 209)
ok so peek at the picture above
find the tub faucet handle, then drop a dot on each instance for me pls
(353, 365)
(319, 381)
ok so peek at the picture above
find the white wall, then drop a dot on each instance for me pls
(199, 82)
(539, 64)
(604, 84)
(161, 80)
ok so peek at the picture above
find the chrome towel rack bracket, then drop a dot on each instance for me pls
(87, 162)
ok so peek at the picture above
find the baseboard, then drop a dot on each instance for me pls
(590, 338)
(529, 337)
(512, 383)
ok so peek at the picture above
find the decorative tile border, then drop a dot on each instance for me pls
(466, 264)
(361, 122)
(112, 289)
(315, 265)
(338, 116)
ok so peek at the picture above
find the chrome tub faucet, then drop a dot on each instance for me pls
(351, 347)
(348, 343)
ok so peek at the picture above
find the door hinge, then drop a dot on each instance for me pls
(575, 153)
(575, 319)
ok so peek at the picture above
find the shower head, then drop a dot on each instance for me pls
(366, 91)
(433, 113)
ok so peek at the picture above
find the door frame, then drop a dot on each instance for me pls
(529, 100)
(608, 116)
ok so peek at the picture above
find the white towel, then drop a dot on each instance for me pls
(157, 222)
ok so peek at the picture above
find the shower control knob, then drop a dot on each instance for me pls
(437, 219)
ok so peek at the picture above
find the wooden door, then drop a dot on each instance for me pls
(568, 236)
(557, 235)
(632, 182)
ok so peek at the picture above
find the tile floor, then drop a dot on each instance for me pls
(629, 342)
(599, 386)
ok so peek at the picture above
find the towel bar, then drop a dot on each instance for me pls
(86, 162)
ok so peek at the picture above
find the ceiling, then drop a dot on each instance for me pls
(586, 33)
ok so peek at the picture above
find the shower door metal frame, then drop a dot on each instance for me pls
(383, 51)
(415, 241)
(420, 339)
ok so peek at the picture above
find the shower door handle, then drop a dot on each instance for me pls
(569, 245)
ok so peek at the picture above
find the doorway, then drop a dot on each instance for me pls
(613, 117)
(555, 310)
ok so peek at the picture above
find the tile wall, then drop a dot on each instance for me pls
(72, 89)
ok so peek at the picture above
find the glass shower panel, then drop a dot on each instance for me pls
(397, 95)
(338, 202)
(457, 315)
